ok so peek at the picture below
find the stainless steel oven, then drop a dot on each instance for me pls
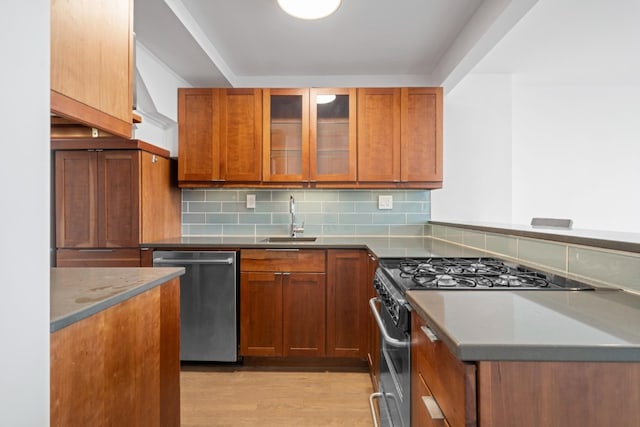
(391, 313)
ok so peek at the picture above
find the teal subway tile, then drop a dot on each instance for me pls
(280, 218)
(475, 239)
(544, 253)
(307, 206)
(338, 207)
(406, 230)
(418, 218)
(185, 207)
(204, 230)
(239, 229)
(389, 218)
(235, 207)
(339, 229)
(193, 218)
(372, 230)
(222, 195)
(312, 230)
(222, 218)
(272, 230)
(272, 207)
(204, 207)
(418, 196)
(254, 218)
(283, 195)
(193, 195)
(356, 196)
(408, 206)
(370, 206)
(322, 196)
(318, 218)
(353, 218)
(262, 195)
(185, 230)
(610, 267)
(505, 245)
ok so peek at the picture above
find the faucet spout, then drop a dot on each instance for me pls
(294, 228)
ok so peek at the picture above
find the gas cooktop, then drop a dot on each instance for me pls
(470, 273)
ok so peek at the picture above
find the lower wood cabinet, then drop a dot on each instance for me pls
(120, 366)
(282, 302)
(306, 302)
(448, 392)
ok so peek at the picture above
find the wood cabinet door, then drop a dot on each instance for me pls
(285, 135)
(421, 135)
(332, 135)
(118, 198)
(379, 135)
(160, 210)
(260, 314)
(304, 314)
(347, 303)
(76, 178)
(241, 134)
(92, 63)
(198, 135)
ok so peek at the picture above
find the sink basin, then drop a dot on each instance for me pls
(289, 239)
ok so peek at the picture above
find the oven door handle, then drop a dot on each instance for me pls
(385, 335)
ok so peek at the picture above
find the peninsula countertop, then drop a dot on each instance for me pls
(599, 325)
(77, 293)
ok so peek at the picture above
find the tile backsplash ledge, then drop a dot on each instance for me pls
(595, 265)
(220, 212)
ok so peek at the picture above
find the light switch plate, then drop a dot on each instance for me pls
(251, 201)
(385, 202)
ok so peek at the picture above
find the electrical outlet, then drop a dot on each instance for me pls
(94, 133)
(251, 201)
(385, 202)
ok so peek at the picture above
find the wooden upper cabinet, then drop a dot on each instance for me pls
(379, 135)
(421, 135)
(198, 135)
(241, 134)
(92, 63)
(332, 135)
(285, 135)
(97, 199)
(160, 210)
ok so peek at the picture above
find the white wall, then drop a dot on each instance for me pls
(576, 154)
(24, 182)
(477, 151)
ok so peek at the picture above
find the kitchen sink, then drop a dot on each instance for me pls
(289, 239)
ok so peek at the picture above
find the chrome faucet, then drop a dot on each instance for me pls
(294, 228)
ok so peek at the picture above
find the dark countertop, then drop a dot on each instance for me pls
(534, 325)
(380, 246)
(77, 293)
(629, 242)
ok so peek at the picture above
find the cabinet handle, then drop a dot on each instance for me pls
(286, 274)
(433, 408)
(96, 250)
(429, 333)
(373, 396)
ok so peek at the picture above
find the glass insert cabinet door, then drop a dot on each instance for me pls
(310, 135)
(286, 133)
(333, 134)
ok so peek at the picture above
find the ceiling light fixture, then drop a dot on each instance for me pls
(309, 9)
(325, 99)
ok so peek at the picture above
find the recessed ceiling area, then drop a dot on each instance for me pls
(253, 43)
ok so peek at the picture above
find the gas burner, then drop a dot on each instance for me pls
(521, 281)
(430, 280)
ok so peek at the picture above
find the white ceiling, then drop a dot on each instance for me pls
(252, 43)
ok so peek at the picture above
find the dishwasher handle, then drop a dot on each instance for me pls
(169, 261)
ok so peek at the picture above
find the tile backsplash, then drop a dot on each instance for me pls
(219, 212)
(595, 265)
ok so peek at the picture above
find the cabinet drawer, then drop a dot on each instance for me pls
(420, 415)
(451, 381)
(98, 257)
(285, 260)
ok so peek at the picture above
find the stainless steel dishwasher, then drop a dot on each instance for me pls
(208, 302)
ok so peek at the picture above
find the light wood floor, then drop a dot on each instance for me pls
(259, 398)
